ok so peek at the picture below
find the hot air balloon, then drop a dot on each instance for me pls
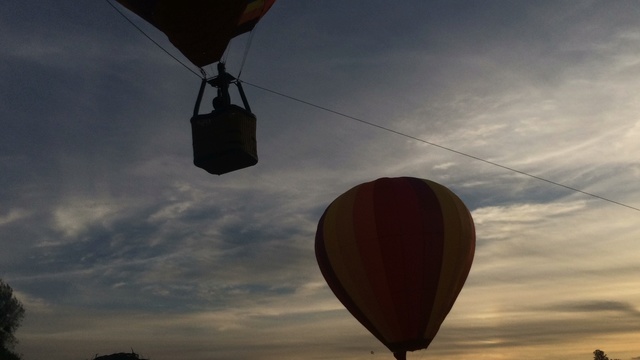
(396, 252)
(225, 139)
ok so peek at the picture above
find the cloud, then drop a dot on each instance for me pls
(625, 309)
(13, 215)
(76, 215)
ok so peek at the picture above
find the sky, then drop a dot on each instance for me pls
(114, 241)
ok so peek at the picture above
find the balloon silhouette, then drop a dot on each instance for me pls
(396, 252)
(223, 140)
(200, 29)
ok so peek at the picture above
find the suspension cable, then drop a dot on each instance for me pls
(203, 75)
(153, 41)
(246, 52)
(444, 147)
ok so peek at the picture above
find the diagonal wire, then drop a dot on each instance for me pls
(443, 147)
(379, 126)
(151, 39)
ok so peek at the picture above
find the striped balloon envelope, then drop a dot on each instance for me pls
(396, 252)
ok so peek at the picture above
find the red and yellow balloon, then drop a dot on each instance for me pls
(396, 252)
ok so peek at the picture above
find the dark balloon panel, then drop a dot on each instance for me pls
(200, 29)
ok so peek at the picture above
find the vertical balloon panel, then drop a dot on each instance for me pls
(396, 252)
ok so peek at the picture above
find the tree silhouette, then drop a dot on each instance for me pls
(120, 356)
(599, 355)
(11, 314)
(6, 354)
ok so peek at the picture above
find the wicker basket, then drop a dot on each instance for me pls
(224, 141)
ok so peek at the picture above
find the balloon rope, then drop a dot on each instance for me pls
(446, 148)
(153, 41)
(246, 48)
(246, 52)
